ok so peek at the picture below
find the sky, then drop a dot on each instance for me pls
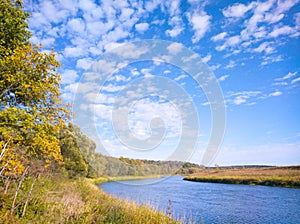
(210, 81)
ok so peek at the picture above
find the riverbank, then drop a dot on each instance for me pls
(61, 200)
(100, 180)
(288, 176)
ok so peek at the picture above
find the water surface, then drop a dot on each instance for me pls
(211, 202)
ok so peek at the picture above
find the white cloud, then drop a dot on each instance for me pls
(222, 78)
(48, 9)
(214, 67)
(130, 50)
(285, 5)
(112, 88)
(76, 25)
(97, 28)
(231, 64)
(142, 27)
(175, 19)
(284, 30)
(221, 47)
(271, 59)
(260, 33)
(151, 5)
(180, 77)
(231, 41)
(206, 103)
(166, 72)
(74, 52)
(175, 31)
(287, 76)
(86, 5)
(206, 58)
(295, 80)
(115, 35)
(273, 18)
(260, 24)
(145, 110)
(126, 14)
(102, 111)
(146, 71)
(200, 22)
(71, 88)
(190, 58)
(237, 10)
(38, 20)
(264, 47)
(112, 45)
(84, 63)
(134, 72)
(242, 97)
(276, 93)
(70, 5)
(239, 100)
(175, 48)
(69, 76)
(100, 98)
(120, 78)
(48, 42)
(280, 84)
(219, 36)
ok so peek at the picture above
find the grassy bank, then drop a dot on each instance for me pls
(61, 200)
(270, 176)
(120, 178)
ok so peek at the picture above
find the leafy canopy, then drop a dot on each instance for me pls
(31, 110)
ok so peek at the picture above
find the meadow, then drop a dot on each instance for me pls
(287, 176)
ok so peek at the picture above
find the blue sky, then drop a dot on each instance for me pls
(252, 47)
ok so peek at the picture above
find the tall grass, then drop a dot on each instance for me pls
(61, 200)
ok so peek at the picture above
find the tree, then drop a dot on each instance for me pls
(73, 159)
(31, 110)
(13, 26)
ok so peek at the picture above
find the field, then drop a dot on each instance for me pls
(288, 176)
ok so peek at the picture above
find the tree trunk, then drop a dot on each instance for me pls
(13, 206)
(28, 198)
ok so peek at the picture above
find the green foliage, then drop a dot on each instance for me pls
(31, 111)
(73, 159)
(13, 26)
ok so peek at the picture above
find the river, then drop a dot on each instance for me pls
(210, 202)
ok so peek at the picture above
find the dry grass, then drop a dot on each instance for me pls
(81, 201)
(270, 176)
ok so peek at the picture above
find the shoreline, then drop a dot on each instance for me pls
(251, 182)
(121, 178)
(287, 177)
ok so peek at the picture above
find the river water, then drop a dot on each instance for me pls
(210, 202)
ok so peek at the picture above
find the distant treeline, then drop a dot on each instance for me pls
(238, 167)
(81, 159)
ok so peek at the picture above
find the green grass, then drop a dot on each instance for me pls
(274, 176)
(60, 200)
(103, 179)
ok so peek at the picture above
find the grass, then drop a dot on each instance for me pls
(133, 177)
(270, 176)
(100, 180)
(61, 200)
